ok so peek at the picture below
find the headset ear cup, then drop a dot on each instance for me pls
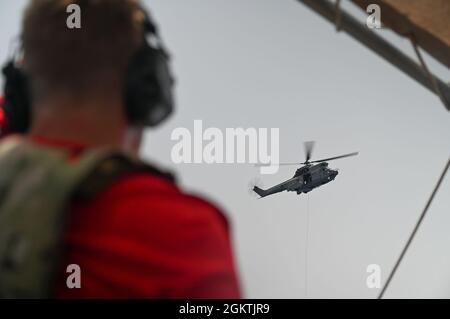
(148, 88)
(17, 101)
(166, 83)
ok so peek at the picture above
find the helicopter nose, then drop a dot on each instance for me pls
(334, 173)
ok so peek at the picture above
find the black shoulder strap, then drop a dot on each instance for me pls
(111, 168)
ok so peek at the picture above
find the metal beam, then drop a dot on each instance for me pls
(367, 37)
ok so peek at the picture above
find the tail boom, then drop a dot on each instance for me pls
(259, 191)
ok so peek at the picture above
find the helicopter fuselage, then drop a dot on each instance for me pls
(313, 176)
(305, 179)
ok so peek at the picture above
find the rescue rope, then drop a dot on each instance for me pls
(416, 228)
(306, 246)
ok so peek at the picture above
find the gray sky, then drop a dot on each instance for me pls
(262, 63)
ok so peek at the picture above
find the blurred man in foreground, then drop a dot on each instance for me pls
(80, 216)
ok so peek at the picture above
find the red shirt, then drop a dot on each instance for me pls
(141, 237)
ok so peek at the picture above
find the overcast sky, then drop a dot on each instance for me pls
(276, 64)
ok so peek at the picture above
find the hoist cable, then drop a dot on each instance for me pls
(306, 245)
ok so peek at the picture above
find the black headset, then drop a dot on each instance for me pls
(148, 92)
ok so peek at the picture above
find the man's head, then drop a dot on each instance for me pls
(80, 64)
(93, 84)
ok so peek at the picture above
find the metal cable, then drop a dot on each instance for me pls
(338, 17)
(306, 246)
(426, 70)
(416, 228)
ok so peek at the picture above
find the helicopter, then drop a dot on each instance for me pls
(306, 178)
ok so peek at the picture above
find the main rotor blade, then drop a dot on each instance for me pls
(335, 158)
(309, 147)
(277, 164)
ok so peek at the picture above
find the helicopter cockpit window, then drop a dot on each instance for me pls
(307, 178)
